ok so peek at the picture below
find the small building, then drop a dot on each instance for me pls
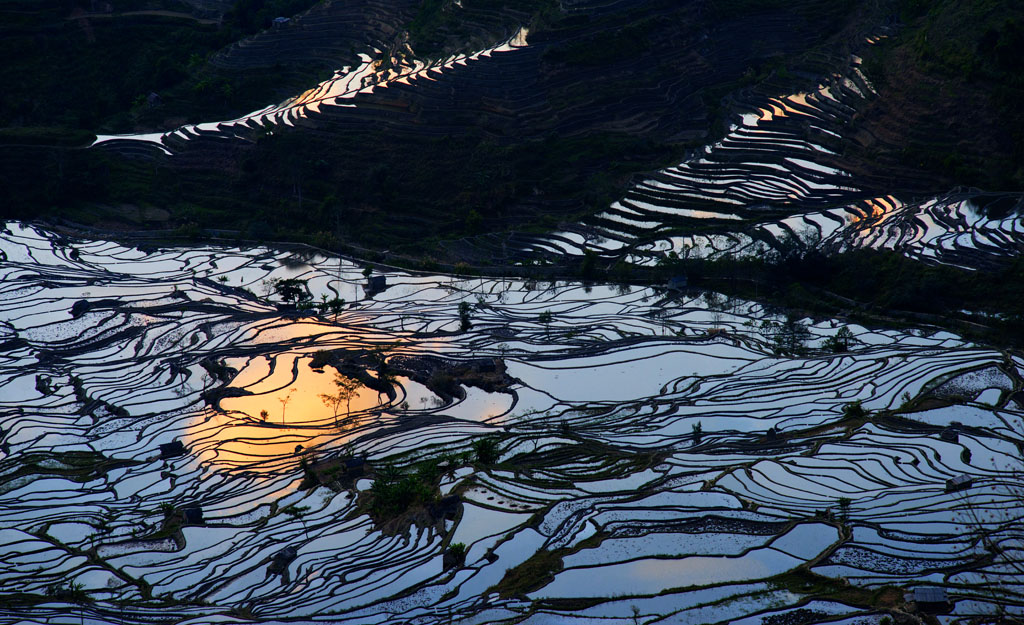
(172, 450)
(930, 600)
(376, 284)
(153, 100)
(772, 434)
(280, 561)
(281, 22)
(960, 482)
(950, 435)
(193, 515)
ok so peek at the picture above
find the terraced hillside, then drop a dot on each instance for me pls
(247, 432)
(568, 454)
(554, 127)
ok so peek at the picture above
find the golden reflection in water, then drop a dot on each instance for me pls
(295, 413)
(877, 212)
(284, 385)
(292, 401)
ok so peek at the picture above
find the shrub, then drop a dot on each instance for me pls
(854, 411)
(486, 450)
(394, 493)
(457, 549)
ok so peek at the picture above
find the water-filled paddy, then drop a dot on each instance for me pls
(633, 465)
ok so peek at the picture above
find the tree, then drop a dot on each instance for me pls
(336, 306)
(292, 290)
(347, 389)
(298, 512)
(844, 507)
(464, 321)
(841, 341)
(993, 515)
(486, 450)
(284, 403)
(790, 336)
(545, 318)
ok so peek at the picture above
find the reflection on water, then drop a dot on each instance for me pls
(875, 213)
(289, 391)
(285, 412)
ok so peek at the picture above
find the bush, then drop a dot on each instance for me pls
(394, 493)
(486, 450)
(854, 411)
(457, 549)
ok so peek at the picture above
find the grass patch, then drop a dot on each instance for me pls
(803, 582)
(534, 573)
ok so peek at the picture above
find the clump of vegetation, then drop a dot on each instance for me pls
(394, 492)
(841, 342)
(321, 358)
(441, 381)
(465, 323)
(533, 573)
(291, 290)
(611, 46)
(854, 411)
(486, 450)
(70, 591)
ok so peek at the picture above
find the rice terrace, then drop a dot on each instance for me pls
(552, 312)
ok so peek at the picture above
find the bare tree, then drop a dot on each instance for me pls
(284, 402)
(347, 389)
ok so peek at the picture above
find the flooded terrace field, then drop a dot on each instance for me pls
(584, 453)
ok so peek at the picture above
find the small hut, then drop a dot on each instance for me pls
(930, 600)
(960, 482)
(280, 561)
(172, 450)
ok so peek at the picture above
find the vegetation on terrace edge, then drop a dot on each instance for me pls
(873, 287)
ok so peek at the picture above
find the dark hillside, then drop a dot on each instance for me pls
(950, 88)
(517, 141)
